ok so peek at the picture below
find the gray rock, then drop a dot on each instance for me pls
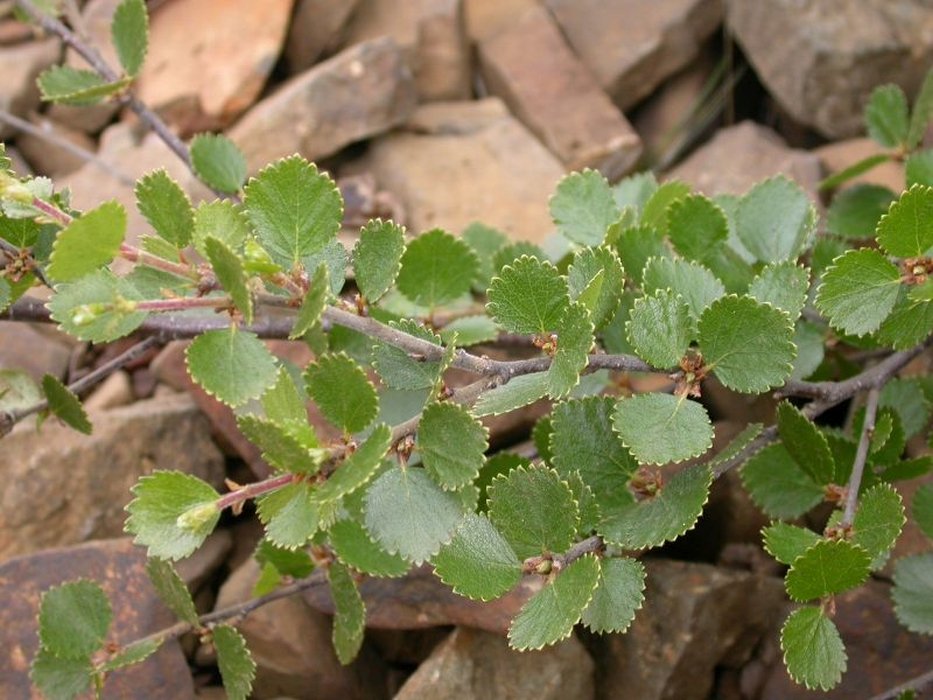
(24, 348)
(840, 155)
(49, 158)
(441, 62)
(631, 45)
(475, 665)
(62, 487)
(20, 65)
(832, 53)
(360, 92)
(317, 27)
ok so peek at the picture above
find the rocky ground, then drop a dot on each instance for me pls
(437, 113)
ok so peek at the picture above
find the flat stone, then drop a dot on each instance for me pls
(120, 569)
(116, 390)
(486, 18)
(632, 46)
(441, 62)
(48, 158)
(695, 618)
(831, 54)
(531, 67)
(476, 665)
(20, 65)
(838, 156)
(196, 569)
(497, 173)
(397, 19)
(291, 645)
(24, 348)
(317, 27)
(198, 56)
(360, 92)
(740, 156)
(63, 487)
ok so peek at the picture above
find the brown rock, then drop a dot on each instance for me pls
(120, 568)
(20, 65)
(842, 154)
(632, 46)
(62, 487)
(198, 57)
(832, 54)
(317, 27)
(116, 390)
(496, 173)
(476, 665)
(24, 348)
(397, 19)
(360, 92)
(47, 157)
(291, 645)
(739, 156)
(486, 18)
(196, 569)
(442, 55)
(531, 67)
(695, 618)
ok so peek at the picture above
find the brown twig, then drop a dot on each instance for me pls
(861, 455)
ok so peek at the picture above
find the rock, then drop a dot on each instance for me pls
(442, 56)
(832, 54)
(695, 618)
(842, 154)
(473, 169)
(740, 156)
(120, 568)
(47, 157)
(198, 58)
(531, 67)
(196, 569)
(397, 19)
(881, 652)
(116, 390)
(632, 46)
(486, 18)
(317, 27)
(291, 645)
(22, 347)
(362, 91)
(63, 487)
(476, 665)
(20, 65)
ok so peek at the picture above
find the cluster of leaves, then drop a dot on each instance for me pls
(744, 290)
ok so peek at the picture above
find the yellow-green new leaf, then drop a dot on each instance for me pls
(88, 242)
(166, 207)
(232, 365)
(130, 33)
(218, 162)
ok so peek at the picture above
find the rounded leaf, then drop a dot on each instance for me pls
(478, 562)
(436, 268)
(341, 390)
(826, 568)
(778, 485)
(377, 257)
(528, 296)
(775, 219)
(583, 207)
(858, 291)
(618, 595)
(907, 229)
(452, 444)
(232, 365)
(659, 328)
(661, 428)
(88, 242)
(813, 650)
(218, 162)
(73, 619)
(913, 592)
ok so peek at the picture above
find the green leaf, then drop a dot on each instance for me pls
(583, 442)
(747, 344)
(341, 390)
(17, 390)
(878, 522)
(574, 342)
(909, 323)
(349, 613)
(410, 515)
(913, 592)
(166, 207)
(782, 285)
(65, 405)
(534, 510)
(696, 227)
(6, 294)
(470, 330)
(284, 562)
(735, 447)
(91, 308)
(335, 256)
(636, 246)
(583, 207)
(377, 257)
(618, 595)
(172, 513)
(75, 86)
(171, 589)
(655, 212)
(661, 428)
(786, 542)
(508, 254)
(280, 448)
(663, 517)
(549, 615)
(237, 668)
(519, 392)
(697, 285)
(633, 191)
(775, 219)
(314, 303)
(854, 212)
(295, 210)
(778, 485)
(805, 444)
(922, 509)
(131, 654)
(858, 291)
(442, 426)
(290, 514)
(918, 168)
(355, 547)
(528, 296)
(587, 264)
(436, 268)
(398, 369)
(230, 273)
(73, 619)
(907, 230)
(232, 365)
(223, 220)
(60, 679)
(886, 116)
(659, 328)
(357, 469)
(130, 33)
(486, 242)
(827, 568)
(88, 242)
(478, 562)
(219, 163)
(813, 650)
(923, 110)
(283, 404)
